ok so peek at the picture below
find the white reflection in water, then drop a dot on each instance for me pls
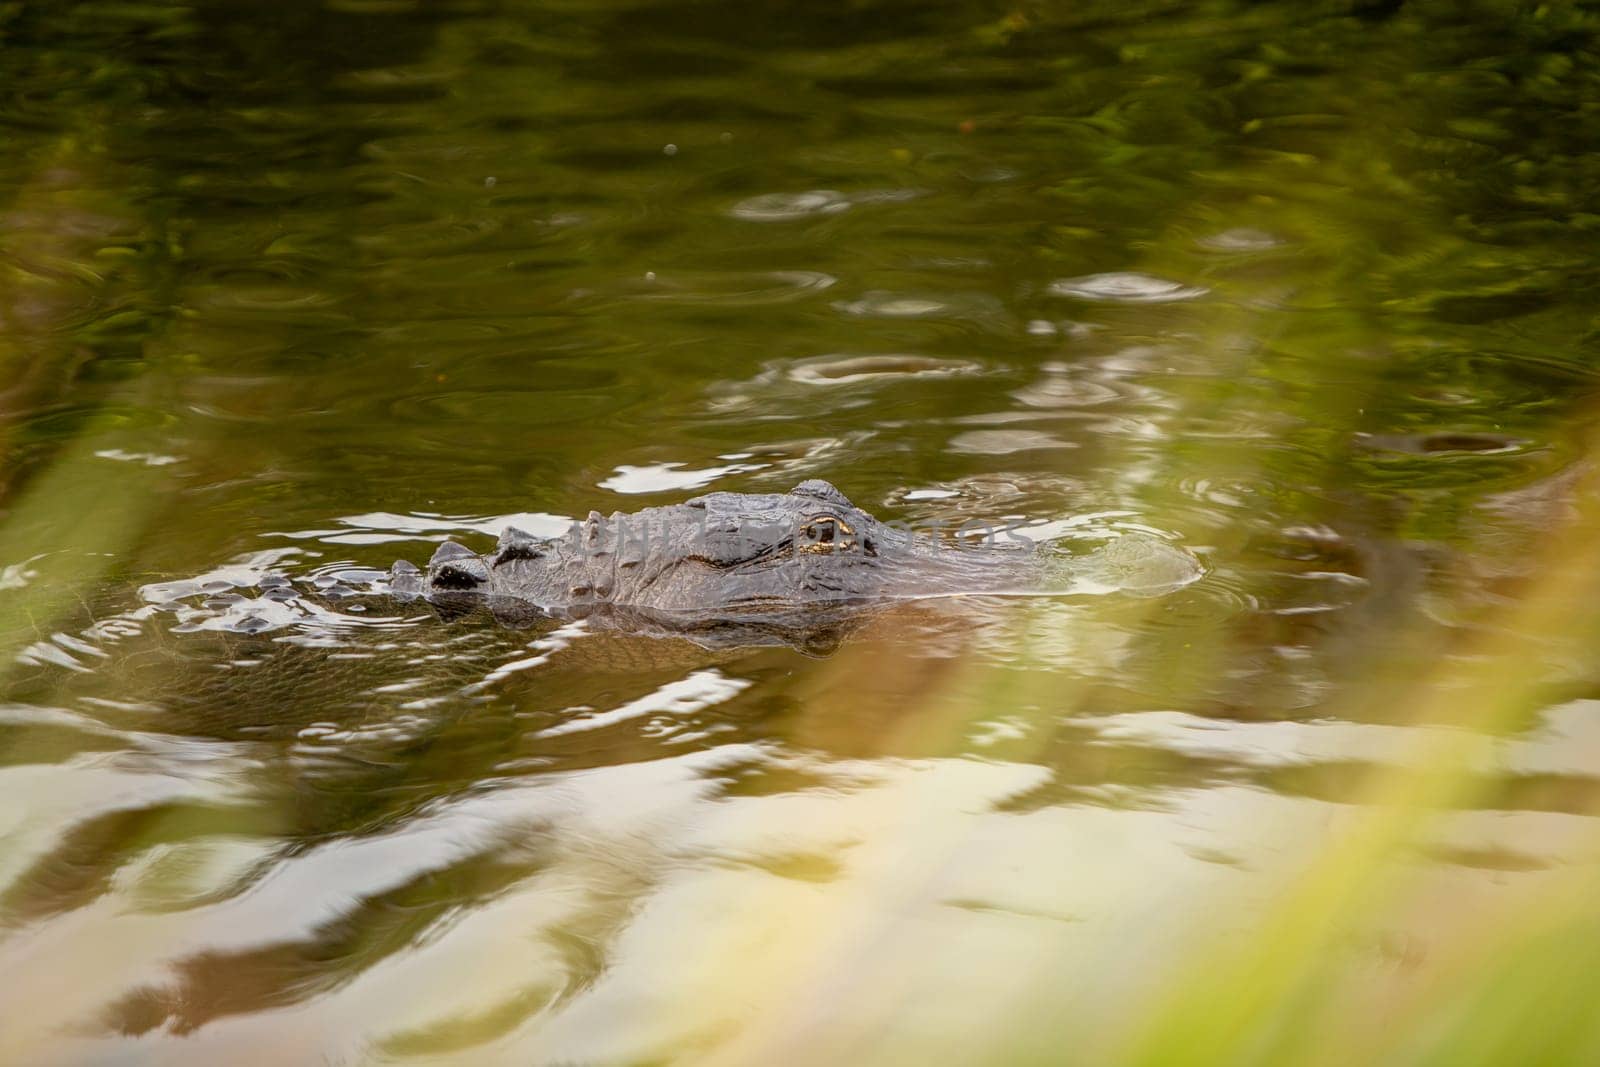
(668, 477)
(700, 690)
(1126, 287)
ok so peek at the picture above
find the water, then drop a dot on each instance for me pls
(292, 291)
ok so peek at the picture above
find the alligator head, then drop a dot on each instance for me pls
(717, 555)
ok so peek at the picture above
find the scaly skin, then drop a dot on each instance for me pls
(723, 556)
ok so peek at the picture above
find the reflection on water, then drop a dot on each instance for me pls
(287, 294)
(1126, 288)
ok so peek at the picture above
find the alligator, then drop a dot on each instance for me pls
(723, 570)
(792, 559)
(765, 567)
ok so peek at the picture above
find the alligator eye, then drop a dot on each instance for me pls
(826, 533)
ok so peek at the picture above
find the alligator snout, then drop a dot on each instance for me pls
(455, 566)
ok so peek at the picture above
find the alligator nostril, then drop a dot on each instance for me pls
(454, 567)
(578, 592)
(451, 576)
(602, 592)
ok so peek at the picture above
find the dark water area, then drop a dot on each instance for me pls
(1305, 291)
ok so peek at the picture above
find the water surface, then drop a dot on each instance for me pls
(295, 290)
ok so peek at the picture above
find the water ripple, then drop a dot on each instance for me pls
(731, 288)
(784, 207)
(814, 203)
(1241, 239)
(670, 477)
(1005, 442)
(1125, 287)
(848, 370)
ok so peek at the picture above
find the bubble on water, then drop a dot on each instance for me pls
(669, 150)
(1126, 287)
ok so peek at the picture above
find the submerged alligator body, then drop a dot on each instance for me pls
(726, 557)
